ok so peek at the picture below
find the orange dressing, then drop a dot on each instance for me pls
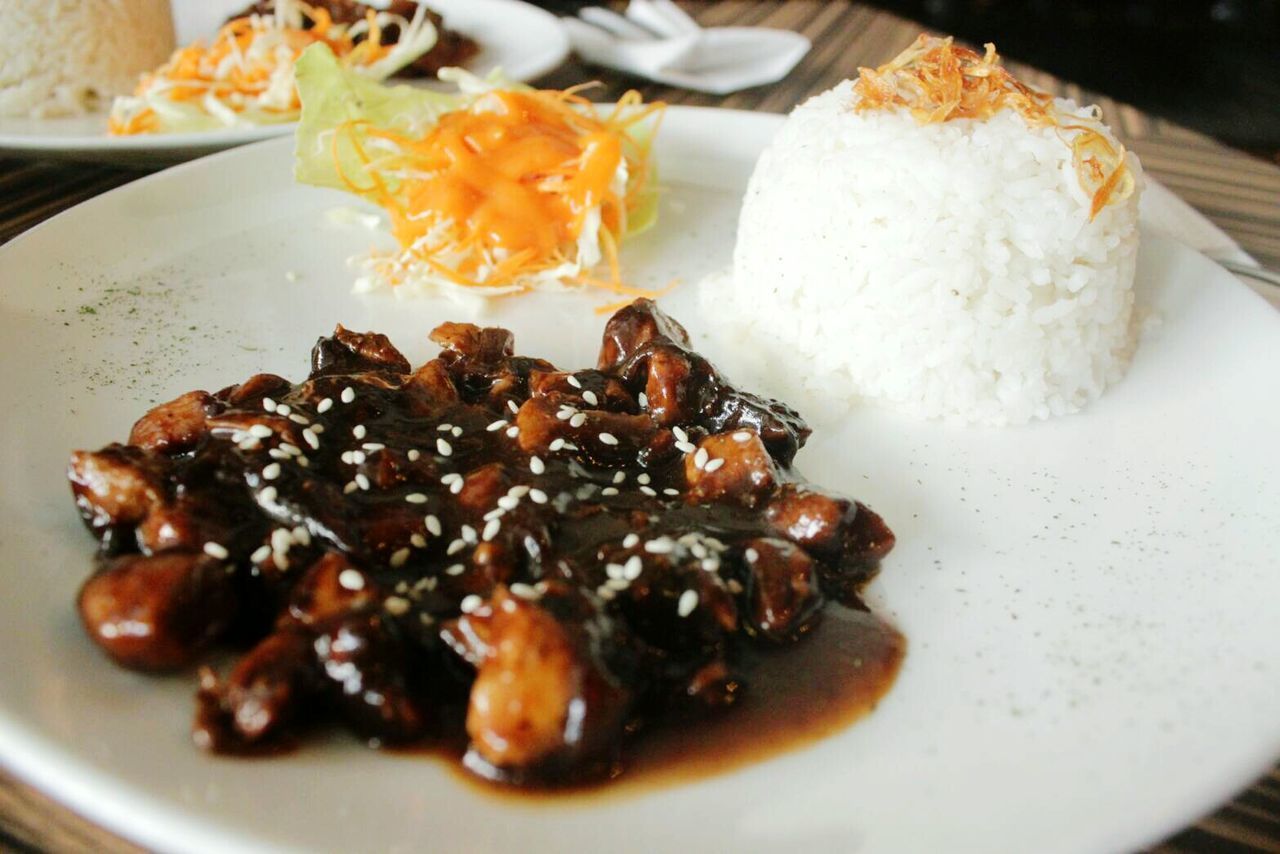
(505, 187)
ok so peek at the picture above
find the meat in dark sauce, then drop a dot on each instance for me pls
(543, 562)
(451, 48)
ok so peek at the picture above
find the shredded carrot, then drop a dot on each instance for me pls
(937, 81)
(225, 70)
(504, 189)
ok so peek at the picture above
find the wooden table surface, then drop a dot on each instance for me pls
(1239, 193)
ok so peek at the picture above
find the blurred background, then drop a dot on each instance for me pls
(1212, 65)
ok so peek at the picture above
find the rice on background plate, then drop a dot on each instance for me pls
(959, 269)
(61, 57)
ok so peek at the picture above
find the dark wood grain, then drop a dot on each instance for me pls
(1237, 191)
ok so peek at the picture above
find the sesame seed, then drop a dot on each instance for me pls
(700, 458)
(537, 496)
(660, 546)
(536, 465)
(648, 491)
(455, 487)
(398, 557)
(291, 450)
(281, 560)
(325, 405)
(347, 458)
(751, 555)
(396, 605)
(711, 565)
(350, 487)
(643, 477)
(741, 436)
(427, 583)
(455, 547)
(630, 540)
(491, 529)
(217, 550)
(573, 381)
(445, 427)
(520, 490)
(301, 536)
(373, 446)
(513, 431)
(319, 428)
(589, 397)
(679, 433)
(277, 454)
(358, 457)
(469, 603)
(433, 525)
(714, 464)
(283, 409)
(494, 514)
(524, 591)
(643, 400)
(605, 593)
(310, 437)
(508, 502)
(613, 570)
(417, 541)
(617, 584)
(619, 476)
(268, 404)
(271, 471)
(515, 410)
(299, 419)
(281, 539)
(497, 425)
(304, 462)
(362, 481)
(250, 444)
(608, 438)
(414, 455)
(688, 601)
(260, 431)
(348, 395)
(456, 569)
(468, 534)
(351, 579)
(451, 477)
(359, 431)
(416, 498)
(609, 490)
(260, 554)
(734, 585)
(577, 420)
(670, 491)
(556, 444)
(632, 568)
(685, 447)
(566, 412)
(456, 431)
(443, 446)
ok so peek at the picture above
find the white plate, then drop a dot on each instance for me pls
(523, 40)
(1090, 603)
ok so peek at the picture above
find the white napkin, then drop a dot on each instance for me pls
(657, 40)
(1164, 212)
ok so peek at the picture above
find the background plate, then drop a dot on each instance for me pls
(523, 40)
(1089, 602)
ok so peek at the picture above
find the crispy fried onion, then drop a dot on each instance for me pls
(936, 81)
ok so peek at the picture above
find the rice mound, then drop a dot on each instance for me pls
(947, 270)
(57, 57)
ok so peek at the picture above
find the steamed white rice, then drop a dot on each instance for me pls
(947, 270)
(59, 57)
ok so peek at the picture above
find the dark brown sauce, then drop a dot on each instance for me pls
(798, 695)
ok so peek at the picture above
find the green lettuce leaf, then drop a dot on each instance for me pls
(331, 96)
